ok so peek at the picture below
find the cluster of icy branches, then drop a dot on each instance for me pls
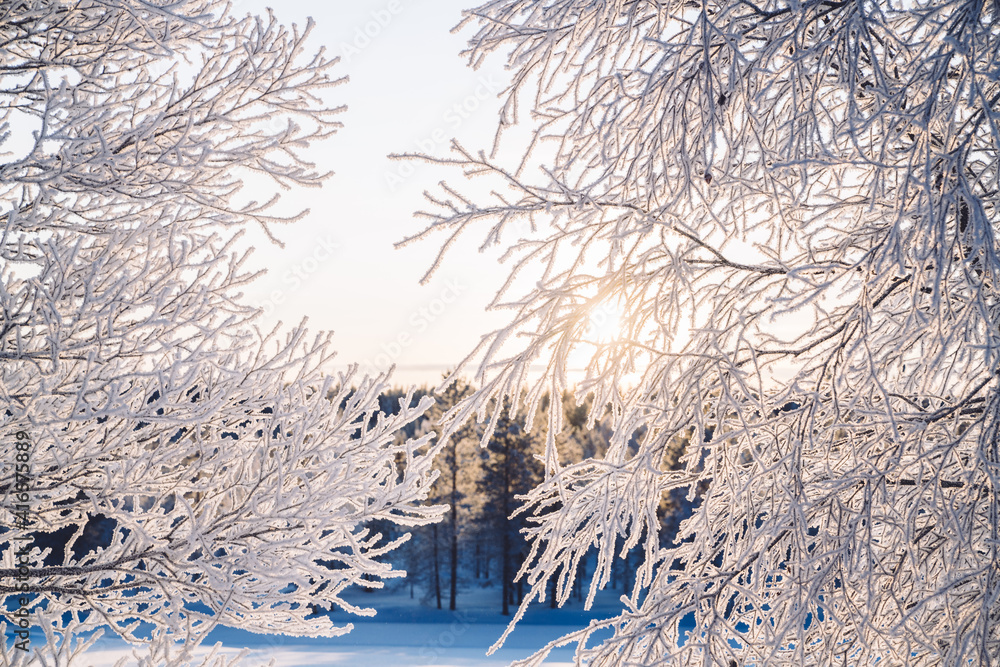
(195, 470)
(794, 206)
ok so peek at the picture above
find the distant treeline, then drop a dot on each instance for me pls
(481, 540)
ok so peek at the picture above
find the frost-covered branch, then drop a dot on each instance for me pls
(169, 467)
(791, 208)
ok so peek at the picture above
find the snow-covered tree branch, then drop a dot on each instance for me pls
(791, 209)
(193, 470)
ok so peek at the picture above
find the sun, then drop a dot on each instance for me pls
(605, 322)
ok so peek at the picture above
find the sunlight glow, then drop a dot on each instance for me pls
(605, 324)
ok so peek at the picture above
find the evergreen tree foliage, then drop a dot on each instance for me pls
(435, 558)
(510, 468)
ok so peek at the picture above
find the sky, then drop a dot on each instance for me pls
(409, 90)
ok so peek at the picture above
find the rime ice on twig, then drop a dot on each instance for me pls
(199, 471)
(795, 203)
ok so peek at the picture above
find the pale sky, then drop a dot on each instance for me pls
(409, 91)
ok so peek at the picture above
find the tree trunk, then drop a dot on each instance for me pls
(505, 567)
(454, 529)
(505, 571)
(625, 572)
(580, 574)
(437, 566)
(454, 572)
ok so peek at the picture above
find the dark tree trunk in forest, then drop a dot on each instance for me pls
(581, 573)
(454, 528)
(452, 594)
(437, 565)
(625, 573)
(505, 572)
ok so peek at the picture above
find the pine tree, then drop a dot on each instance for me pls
(509, 469)
(440, 547)
(458, 458)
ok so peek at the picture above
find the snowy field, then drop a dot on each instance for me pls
(381, 645)
(407, 634)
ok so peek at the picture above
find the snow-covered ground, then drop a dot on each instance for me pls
(406, 633)
(380, 645)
